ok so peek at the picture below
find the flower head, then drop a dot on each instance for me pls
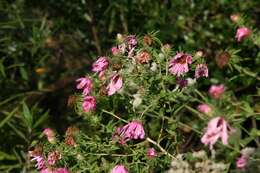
(89, 103)
(40, 162)
(241, 162)
(115, 51)
(178, 65)
(201, 71)
(116, 83)
(100, 65)
(242, 33)
(132, 130)
(204, 108)
(182, 82)
(245, 154)
(61, 170)
(143, 57)
(216, 91)
(119, 169)
(53, 157)
(151, 153)
(85, 83)
(217, 128)
(50, 134)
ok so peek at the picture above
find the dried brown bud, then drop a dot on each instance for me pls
(69, 140)
(147, 40)
(72, 130)
(117, 66)
(222, 59)
(71, 100)
(103, 90)
(37, 151)
(143, 57)
(51, 42)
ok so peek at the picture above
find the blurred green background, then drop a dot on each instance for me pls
(46, 44)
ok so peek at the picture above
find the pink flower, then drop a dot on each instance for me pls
(241, 162)
(119, 169)
(201, 71)
(242, 33)
(133, 130)
(204, 108)
(86, 84)
(61, 170)
(178, 65)
(47, 170)
(100, 65)
(89, 103)
(116, 83)
(58, 170)
(40, 162)
(151, 153)
(115, 51)
(216, 91)
(217, 128)
(50, 134)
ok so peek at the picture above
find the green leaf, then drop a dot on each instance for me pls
(2, 68)
(23, 73)
(41, 119)
(27, 115)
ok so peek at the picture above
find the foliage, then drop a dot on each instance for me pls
(46, 45)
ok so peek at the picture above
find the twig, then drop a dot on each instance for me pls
(114, 115)
(159, 146)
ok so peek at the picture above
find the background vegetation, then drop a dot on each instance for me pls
(46, 45)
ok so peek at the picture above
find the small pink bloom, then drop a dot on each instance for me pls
(86, 84)
(216, 91)
(89, 103)
(201, 71)
(217, 128)
(204, 108)
(119, 169)
(116, 83)
(115, 51)
(178, 65)
(50, 134)
(61, 170)
(241, 162)
(133, 130)
(100, 65)
(40, 162)
(242, 33)
(151, 153)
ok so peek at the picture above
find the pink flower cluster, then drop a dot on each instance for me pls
(100, 66)
(217, 128)
(45, 167)
(179, 65)
(89, 102)
(132, 130)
